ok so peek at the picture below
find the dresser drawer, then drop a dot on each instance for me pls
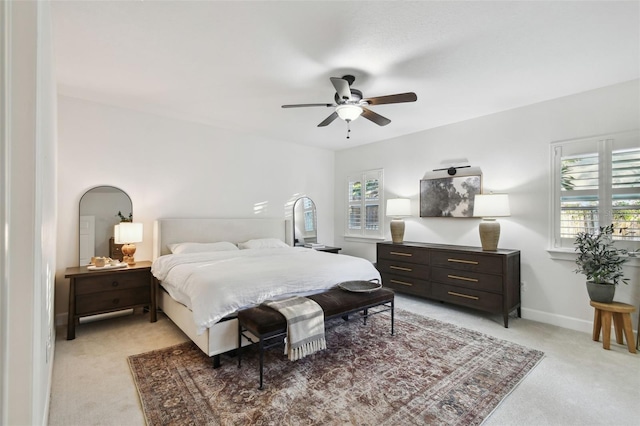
(468, 279)
(406, 284)
(111, 300)
(99, 283)
(467, 297)
(403, 254)
(405, 269)
(467, 261)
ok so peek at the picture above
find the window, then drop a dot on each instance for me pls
(364, 204)
(596, 182)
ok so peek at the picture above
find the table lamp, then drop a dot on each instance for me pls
(488, 207)
(397, 208)
(128, 233)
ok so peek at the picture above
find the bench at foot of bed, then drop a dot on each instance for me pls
(270, 326)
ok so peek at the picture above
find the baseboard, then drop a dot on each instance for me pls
(559, 320)
(61, 319)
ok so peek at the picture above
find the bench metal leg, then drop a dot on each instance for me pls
(261, 361)
(216, 361)
(392, 313)
(239, 344)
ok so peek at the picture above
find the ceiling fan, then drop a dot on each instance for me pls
(350, 104)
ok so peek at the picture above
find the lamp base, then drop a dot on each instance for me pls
(489, 234)
(128, 250)
(397, 230)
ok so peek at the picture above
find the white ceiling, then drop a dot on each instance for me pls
(233, 64)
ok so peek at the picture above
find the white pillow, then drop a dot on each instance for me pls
(263, 243)
(201, 247)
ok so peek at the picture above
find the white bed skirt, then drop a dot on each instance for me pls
(220, 338)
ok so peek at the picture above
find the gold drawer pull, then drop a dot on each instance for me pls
(453, 293)
(401, 282)
(397, 253)
(456, 277)
(471, 262)
(400, 268)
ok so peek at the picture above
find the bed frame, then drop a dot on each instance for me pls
(222, 336)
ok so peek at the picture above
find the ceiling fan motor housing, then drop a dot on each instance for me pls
(356, 97)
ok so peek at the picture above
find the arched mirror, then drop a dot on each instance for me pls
(305, 222)
(101, 208)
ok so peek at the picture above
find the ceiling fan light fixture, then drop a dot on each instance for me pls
(349, 112)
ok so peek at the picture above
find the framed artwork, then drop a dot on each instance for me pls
(449, 196)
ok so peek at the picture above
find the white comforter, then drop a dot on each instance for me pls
(216, 284)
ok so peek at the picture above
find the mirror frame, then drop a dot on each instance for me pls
(297, 230)
(106, 230)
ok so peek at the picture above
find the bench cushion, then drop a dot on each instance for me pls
(334, 302)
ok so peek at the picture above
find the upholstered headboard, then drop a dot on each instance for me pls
(206, 230)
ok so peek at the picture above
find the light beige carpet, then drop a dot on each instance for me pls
(430, 372)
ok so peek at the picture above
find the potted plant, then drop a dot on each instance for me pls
(601, 263)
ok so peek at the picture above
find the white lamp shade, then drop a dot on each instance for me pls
(399, 207)
(349, 112)
(491, 205)
(127, 233)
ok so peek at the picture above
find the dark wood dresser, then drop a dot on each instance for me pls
(98, 292)
(467, 276)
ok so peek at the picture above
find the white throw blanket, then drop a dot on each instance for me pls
(305, 326)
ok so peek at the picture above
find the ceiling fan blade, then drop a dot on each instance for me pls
(342, 87)
(375, 117)
(307, 105)
(392, 99)
(329, 119)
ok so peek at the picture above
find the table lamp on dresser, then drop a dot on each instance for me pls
(397, 208)
(488, 207)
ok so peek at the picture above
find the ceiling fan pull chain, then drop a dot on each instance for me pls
(348, 128)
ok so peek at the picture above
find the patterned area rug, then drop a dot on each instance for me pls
(429, 372)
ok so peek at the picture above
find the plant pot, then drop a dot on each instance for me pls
(602, 293)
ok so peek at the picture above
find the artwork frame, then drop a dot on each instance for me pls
(451, 196)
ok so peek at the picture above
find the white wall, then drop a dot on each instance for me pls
(512, 149)
(28, 185)
(173, 168)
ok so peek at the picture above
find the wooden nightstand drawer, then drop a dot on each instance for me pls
(474, 280)
(467, 297)
(467, 261)
(111, 300)
(403, 253)
(99, 283)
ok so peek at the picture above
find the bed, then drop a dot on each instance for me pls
(258, 272)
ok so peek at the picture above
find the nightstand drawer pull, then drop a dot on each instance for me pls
(400, 268)
(470, 262)
(115, 301)
(115, 284)
(457, 277)
(453, 293)
(401, 282)
(397, 253)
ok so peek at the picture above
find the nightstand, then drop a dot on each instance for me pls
(99, 292)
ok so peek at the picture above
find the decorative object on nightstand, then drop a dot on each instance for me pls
(488, 207)
(128, 233)
(397, 208)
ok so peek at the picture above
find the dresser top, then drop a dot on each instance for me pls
(450, 247)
